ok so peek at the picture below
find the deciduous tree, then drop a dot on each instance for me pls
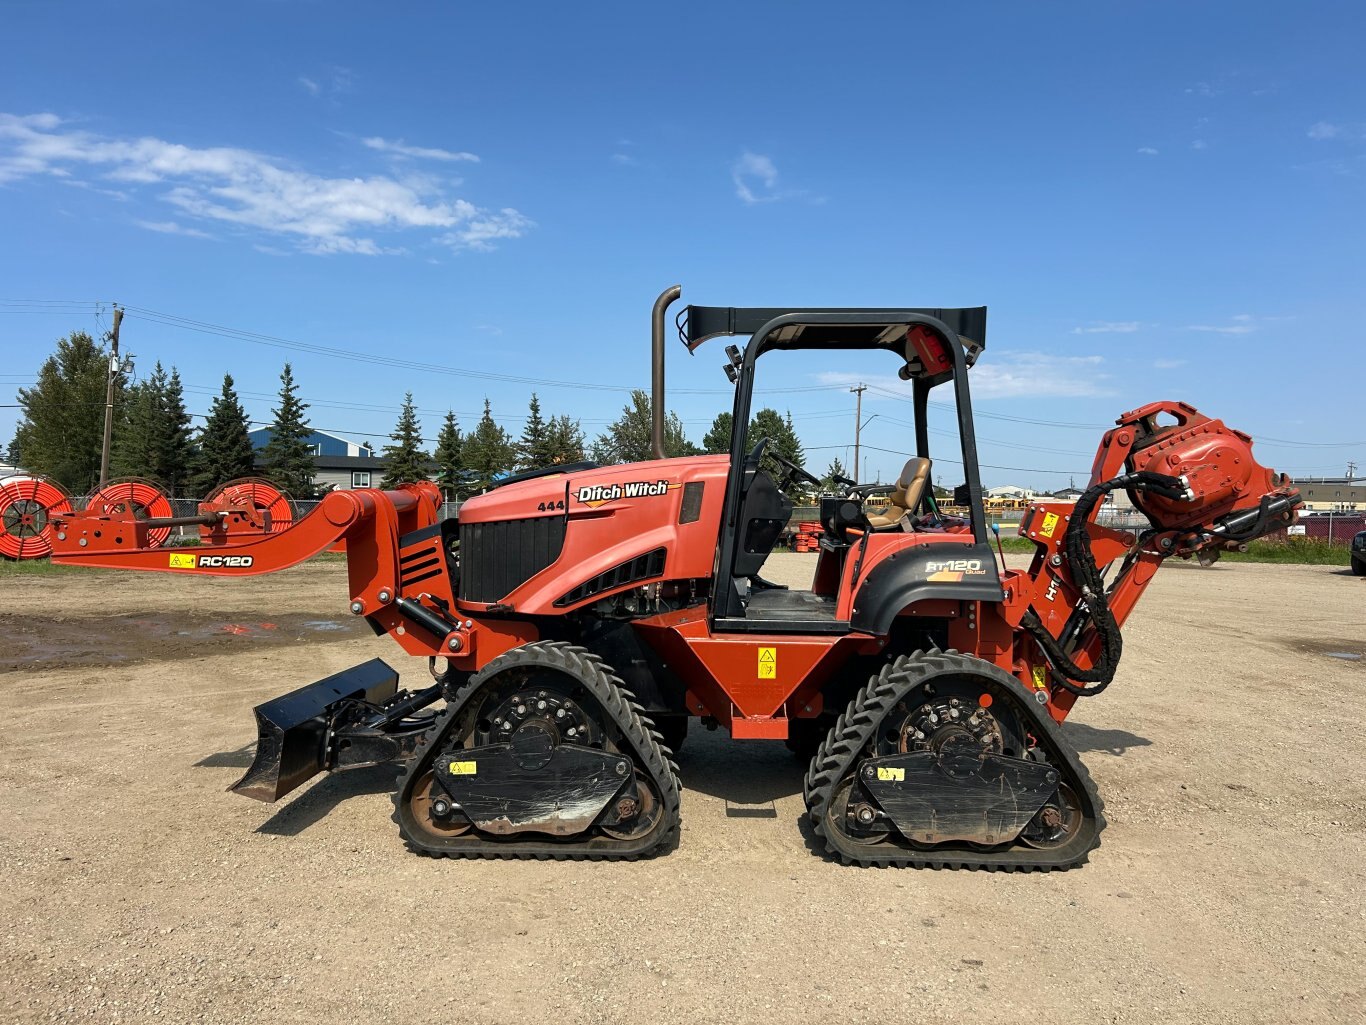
(627, 440)
(61, 430)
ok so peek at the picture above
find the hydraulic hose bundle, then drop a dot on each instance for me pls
(1086, 574)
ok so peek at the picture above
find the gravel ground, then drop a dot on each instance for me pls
(1230, 751)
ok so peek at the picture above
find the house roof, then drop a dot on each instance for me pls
(314, 430)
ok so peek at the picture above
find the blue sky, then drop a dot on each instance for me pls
(1156, 200)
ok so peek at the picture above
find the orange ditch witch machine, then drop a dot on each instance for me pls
(575, 617)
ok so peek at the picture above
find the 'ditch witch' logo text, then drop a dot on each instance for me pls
(601, 494)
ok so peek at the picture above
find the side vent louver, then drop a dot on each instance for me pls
(632, 571)
(499, 557)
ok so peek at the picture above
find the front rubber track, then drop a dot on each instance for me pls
(616, 702)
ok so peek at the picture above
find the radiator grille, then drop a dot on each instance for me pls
(632, 571)
(497, 558)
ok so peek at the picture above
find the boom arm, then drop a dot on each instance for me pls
(1201, 489)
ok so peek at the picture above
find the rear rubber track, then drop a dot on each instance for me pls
(854, 729)
(615, 701)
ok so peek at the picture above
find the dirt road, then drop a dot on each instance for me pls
(1231, 752)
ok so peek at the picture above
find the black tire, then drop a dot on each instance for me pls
(1359, 567)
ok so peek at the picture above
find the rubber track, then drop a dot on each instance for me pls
(849, 737)
(649, 753)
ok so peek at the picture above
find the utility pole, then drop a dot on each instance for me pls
(858, 420)
(113, 376)
(1351, 471)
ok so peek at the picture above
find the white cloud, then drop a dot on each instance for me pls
(1199, 144)
(1108, 327)
(310, 86)
(253, 191)
(1168, 364)
(1009, 375)
(172, 228)
(624, 159)
(756, 178)
(1243, 324)
(480, 230)
(1324, 130)
(399, 148)
(1147, 151)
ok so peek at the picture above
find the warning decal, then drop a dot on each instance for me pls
(768, 663)
(464, 768)
(181, 560)
(1050, 524)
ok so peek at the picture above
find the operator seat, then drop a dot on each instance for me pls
(904, 497)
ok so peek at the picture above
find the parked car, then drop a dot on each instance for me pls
(1359, 554)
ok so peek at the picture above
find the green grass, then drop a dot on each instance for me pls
(35, 568)
(1297, 551)
(1304, 551)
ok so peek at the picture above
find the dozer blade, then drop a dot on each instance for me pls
(293, 730)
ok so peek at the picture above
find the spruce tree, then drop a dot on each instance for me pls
(449, 444)
(287, 456)
(136, 431)
(717, 440)
(565, 440)
(792, 448)
(174, 447)
(407, 463)
(534, 451)
(225, 450)
(488, 450)
(835, 469)
(61, 429)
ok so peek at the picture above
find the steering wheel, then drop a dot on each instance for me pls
(793, 470)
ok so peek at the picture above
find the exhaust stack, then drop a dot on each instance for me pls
(665, 299)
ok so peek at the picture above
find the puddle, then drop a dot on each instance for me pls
(32, 643)
(1339, 648)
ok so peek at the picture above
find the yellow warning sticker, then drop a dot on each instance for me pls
(1040, 675)
(1050, 524)
(888, 774)
(464, 768)
(181, 561)
(768, 663)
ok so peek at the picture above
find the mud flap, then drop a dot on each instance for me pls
(294, 730)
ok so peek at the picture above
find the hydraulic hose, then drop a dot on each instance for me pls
(1086, 574)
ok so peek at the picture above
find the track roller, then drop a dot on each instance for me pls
(945, 761)
(541, 754)
(27, 505)
(143, 499)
